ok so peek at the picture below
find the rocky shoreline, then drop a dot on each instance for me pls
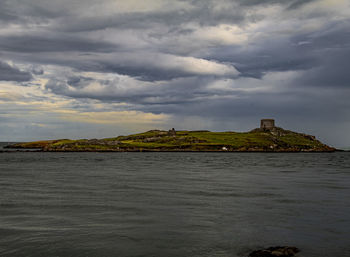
(277, 251)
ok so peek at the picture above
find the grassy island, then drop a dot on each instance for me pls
(257, 140)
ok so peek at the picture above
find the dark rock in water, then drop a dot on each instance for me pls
(280, 251)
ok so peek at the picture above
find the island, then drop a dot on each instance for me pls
(267, 138)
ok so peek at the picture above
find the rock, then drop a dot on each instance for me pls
(310, 137)
(280, 251)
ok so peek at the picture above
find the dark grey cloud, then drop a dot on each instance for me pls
(78, 81)
(145, 66)
(282, 105)
(269, 56)
(274, 53)
(68, 15)
(298, 3)
(52, 43)
(37, 70)
(289, 4)
(333, 72)
(117, 90)
(180, 58)
(331, 50)
(201, 14)
(323, 52)
(268, 2)
(36, 11)
(10, 73)
(146, 73)
(5, 17)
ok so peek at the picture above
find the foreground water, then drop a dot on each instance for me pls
(173, 204)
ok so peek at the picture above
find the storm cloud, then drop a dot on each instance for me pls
(205, 64)
(11, 73)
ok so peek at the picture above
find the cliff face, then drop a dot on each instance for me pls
(257, 140)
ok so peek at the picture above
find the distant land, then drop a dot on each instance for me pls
(267, 138)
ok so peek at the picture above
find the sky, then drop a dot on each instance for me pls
(95, 69)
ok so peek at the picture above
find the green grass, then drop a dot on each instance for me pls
(195, 139)
(62, 142)
(151, 133)
(297, 140)
(233, 138)
(39, 144)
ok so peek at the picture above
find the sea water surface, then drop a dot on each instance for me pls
(173, 204)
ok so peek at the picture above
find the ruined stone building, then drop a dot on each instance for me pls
(172, 132)
(267, 124)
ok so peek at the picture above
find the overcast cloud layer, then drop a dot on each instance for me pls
(84, 68)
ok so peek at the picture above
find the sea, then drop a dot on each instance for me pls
(173, 204)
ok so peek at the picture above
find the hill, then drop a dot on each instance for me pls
(257, 140)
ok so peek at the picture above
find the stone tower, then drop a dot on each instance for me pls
(267, 124)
